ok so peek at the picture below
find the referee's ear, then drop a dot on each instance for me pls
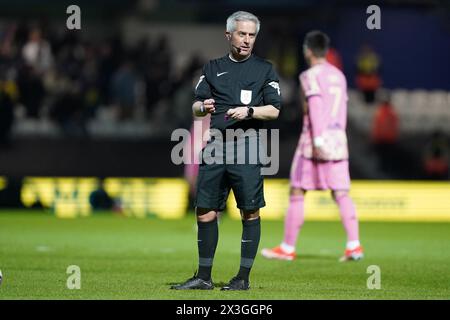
(228, 35)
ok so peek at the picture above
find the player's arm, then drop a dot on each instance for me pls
(303, 100)
(311, 89)
(315, 111)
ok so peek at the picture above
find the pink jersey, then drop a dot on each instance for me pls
(325, 89)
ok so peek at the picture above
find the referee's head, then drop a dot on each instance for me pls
(241, 31)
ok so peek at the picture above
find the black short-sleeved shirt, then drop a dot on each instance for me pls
(252, 82)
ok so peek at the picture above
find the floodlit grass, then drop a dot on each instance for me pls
(128, 258)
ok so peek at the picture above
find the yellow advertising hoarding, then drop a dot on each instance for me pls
(3, 183)
(139, 197)
(69, 197)
(163, 197)
(374, 200)
(168, 198)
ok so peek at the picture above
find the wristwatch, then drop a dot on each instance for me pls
(250, 111)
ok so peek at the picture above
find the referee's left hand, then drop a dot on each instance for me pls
(238, 113)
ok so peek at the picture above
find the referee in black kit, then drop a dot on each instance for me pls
(240, 91)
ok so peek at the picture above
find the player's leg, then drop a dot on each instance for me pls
(207, 238)
(211, 195)
(211, 198)
(294, 219)
(251, 234)
(338, 179)
(247, 184)
(293, 222)
(350, 222)
(300, 177)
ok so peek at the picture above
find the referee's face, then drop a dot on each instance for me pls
(242, 39)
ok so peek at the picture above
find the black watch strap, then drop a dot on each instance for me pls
(250, 111)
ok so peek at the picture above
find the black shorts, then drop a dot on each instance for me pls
(243, 176)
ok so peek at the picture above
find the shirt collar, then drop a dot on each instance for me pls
(234, 60)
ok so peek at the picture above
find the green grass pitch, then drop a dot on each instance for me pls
(129, 258)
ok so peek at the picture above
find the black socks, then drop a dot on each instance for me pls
(251, 233)
(207, 237)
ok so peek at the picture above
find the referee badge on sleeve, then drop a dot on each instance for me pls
(246, 96)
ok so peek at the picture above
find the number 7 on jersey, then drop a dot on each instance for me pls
(337, 95)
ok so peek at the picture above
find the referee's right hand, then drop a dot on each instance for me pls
(209, 105)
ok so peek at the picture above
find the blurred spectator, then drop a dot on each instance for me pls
(385, 132)
(367, 73)
(181, 113)
(284, 57)
(37, 59)
(287, 63)
(105, 71)
(436, 157)
(8, 48)
(334, 58)
(6, 115)
(31, 90)
(158, 78)
(100, 200)
(68, 110)
(37, 52)
(123, 88)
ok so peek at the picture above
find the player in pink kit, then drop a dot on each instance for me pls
(199, 136)
(321, 159)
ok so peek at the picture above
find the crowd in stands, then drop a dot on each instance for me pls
(67, 79)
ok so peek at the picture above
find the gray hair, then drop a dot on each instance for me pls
(242, 16)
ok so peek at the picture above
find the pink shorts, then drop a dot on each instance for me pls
(311, 175)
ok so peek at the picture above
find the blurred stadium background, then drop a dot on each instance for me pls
(86, 115)
(99, 104)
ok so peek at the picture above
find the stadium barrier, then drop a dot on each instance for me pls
(167, 198)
